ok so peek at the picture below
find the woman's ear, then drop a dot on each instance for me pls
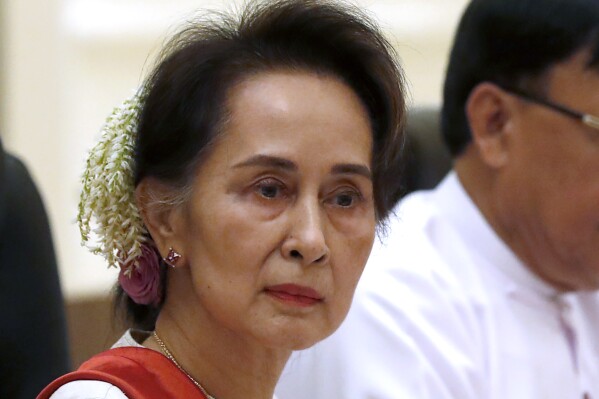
(490, 110)
(162, 219)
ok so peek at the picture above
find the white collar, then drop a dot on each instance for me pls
(453, 201)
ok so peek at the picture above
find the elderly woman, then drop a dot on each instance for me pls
(241, 202)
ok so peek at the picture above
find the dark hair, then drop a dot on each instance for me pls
(184, 107)
(512, 43)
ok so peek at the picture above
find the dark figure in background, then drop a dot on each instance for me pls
(33, 343)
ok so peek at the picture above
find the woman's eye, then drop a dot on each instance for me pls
(269, 189)
(346, 199)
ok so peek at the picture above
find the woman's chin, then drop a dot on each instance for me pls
(303, 345)
(296, 339)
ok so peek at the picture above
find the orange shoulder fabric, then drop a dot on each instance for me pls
(140, 373)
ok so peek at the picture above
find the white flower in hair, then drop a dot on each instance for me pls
(108, 218)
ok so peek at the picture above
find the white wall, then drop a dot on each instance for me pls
(66, 63)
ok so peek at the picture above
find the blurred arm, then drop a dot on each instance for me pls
(33, 344)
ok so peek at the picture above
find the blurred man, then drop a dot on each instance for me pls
(486, 287)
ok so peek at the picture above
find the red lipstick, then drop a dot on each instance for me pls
(293, 294)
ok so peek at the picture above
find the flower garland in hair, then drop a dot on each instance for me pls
(109, 220)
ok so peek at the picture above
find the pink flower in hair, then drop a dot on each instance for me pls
(142, 282)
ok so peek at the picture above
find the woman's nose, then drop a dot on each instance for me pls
(306, 241)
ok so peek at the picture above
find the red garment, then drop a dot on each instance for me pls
(140, 373)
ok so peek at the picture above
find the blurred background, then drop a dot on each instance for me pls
(64, 64)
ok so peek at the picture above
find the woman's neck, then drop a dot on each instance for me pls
(227, 365)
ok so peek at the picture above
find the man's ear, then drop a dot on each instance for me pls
(162, 219)
(490, 110)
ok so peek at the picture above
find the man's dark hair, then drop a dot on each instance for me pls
(512, 43)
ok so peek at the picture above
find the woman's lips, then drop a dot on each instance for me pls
(294, 294)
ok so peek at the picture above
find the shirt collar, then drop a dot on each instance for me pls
(455, 204)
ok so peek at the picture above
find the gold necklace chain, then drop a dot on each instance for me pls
(170, 356)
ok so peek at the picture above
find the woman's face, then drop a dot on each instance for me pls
(281, 219)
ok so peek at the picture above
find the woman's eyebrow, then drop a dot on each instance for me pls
(352, 169)
(269, 161)
(285, 164)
